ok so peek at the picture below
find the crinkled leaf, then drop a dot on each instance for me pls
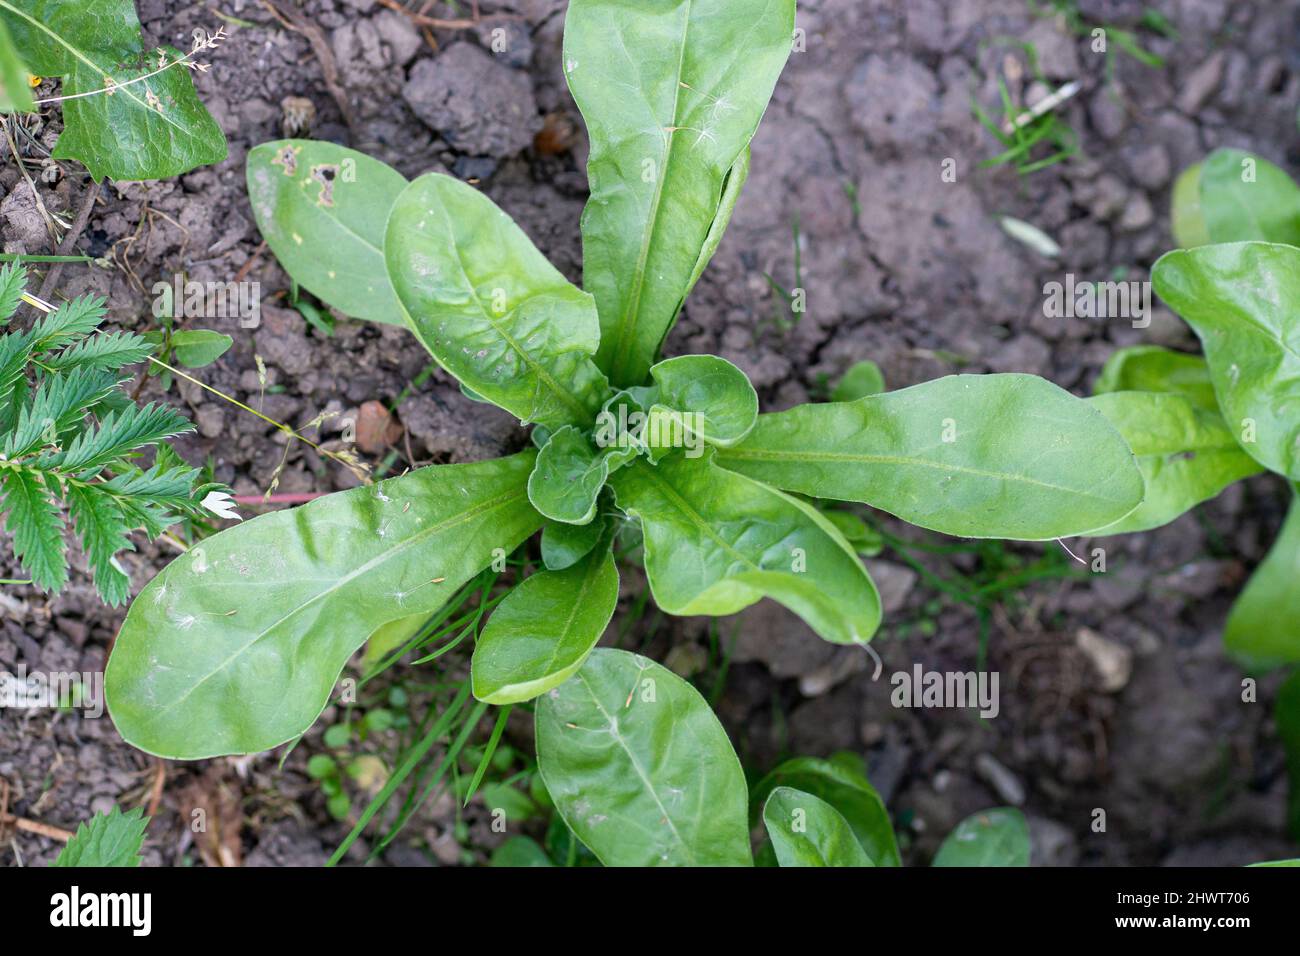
(807, 831)
(996, 837)
(1151, 368)
(538, 637)
(1263, 627)
(107, 839)
(1187, 454)
(152, 129)
(322, 209)
(982, 456)
(563, 545)
(235, 647)
(568, 477)
(846, 789)
(1238, 197)
(705, 395)
(490, 308)
(716, 542)
(1243, 300)
(640, 768)
(672, 92)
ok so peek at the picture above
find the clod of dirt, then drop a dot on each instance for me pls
(22, 219)
(1112, 660)
(479, 105)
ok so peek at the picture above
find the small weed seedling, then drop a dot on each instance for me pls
(236, 647)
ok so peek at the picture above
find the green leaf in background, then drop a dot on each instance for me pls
(322, 209)
(719, 403)
(981, 456)
(520, 851)
(845, 787)
(1187, 454)
(563, 545)
(1152, 368)
(568, 476)
(862, 379)
(538, 637)
(996, 837)
(1262, 630)
(154, 128)
(108, 839)
(490, 308)
(808, 831)
(235, 647)
(1235, 196)
(716, 542)
(640, 768)
(1286, 714)
(15, 93)
(668, 125)
(195, 348)
(1242, 299)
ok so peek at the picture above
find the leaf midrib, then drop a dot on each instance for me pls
(485, 506)
(776, 455)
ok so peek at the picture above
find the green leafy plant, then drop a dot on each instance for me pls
(237, 648)
(72, 441)
(190, 348)
(128, 112)
(1200, 423)
(107, 839)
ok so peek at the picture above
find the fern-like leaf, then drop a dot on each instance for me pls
(37, 527)
(13, 279)
(120, 433)
(81, 316)
(109, 839)
(110, 351)
(60, 403)
(103, 529)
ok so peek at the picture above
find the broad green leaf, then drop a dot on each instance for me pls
(569, 474)
(1151, 368)
(563, 545)
(150, 128)
(1263, 627)
(735, 182)
(15, 93)
(716, 542)
(1244, 197)
(322, 209)
(490, 308)
(107, 839)
(195, 348)
(520, 851)
(1186, 219)
(1243, 300)
(846, 789)
(1187, 454)
(808, 831)
(639, 767)
(704, 395)
(538, 637)
(672, 92)
(1286, 714)
(1295, 862)
(236, 646)
(996, 837)
(981, 456)
(862, 379)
